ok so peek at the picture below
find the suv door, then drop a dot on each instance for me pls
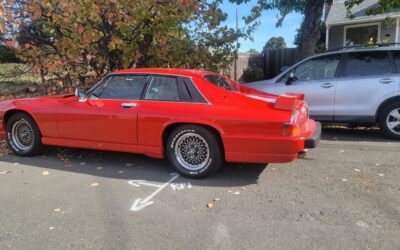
(366, 80)
(316, 78)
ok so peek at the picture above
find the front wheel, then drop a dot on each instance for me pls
(23, 135)
(194, 151)
(389, 120)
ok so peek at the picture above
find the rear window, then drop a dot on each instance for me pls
(219, 81)
(396, 57)
(367, 63)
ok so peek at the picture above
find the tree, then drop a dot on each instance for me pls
(84, 39)
(276, 42)
(311, 9)
(320, 46)
(253, 51)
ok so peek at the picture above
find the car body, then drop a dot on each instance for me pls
(353, 85)
(136, 111)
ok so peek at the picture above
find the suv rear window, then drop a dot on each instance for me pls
(367, 63)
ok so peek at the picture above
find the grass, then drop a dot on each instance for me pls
(16, 78)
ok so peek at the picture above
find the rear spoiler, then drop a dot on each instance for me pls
(288, 101)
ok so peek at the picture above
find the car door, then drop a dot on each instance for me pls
(108, 115)
(366, 80)
(316, 78)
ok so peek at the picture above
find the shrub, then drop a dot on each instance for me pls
(7, 55)
(252, 74)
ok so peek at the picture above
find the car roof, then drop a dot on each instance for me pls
(357, 49)
(165, 71)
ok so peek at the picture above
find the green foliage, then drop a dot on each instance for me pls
(276, 42)
(85, 39)
(8, 55)
(382, 7)
(252, 74)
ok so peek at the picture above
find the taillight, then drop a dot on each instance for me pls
(294, 127)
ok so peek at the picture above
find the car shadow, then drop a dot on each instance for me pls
(132, 167)
(357, 134)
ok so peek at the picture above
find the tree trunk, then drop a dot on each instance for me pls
(310, 27)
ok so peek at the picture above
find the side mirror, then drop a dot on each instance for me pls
(291, 78)
(81, 94)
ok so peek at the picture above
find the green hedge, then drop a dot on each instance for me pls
(7, 55)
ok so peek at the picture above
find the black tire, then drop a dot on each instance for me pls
(36, 142)
(383, 117)
(206, 139)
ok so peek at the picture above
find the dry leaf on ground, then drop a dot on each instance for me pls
(237, 192)
(45, 173)
(210, 205)
(217, 199)
(95, 184)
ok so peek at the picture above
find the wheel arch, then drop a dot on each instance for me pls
(383, 104)
(168, 128)
(13, 111)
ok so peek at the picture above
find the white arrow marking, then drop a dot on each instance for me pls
(139, 204)
(137, 183)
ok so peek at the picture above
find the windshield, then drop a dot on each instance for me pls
(220, 81)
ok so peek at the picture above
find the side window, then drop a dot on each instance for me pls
(163, 88)
(317, 68)
(219, 81)
(396, 57)
(121, 87)
(367, 63)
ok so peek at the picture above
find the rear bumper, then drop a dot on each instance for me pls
(270, 149)
(313, 140)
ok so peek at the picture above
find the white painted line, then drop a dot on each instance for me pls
(139, 204)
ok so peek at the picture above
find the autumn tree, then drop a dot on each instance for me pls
(83, 39)
(275, 42)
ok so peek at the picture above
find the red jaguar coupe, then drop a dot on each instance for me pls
(196, 119)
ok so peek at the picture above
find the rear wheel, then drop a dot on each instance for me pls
(389, 120)
(194, 151)
(23, 135)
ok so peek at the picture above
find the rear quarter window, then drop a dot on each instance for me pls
(367, 63)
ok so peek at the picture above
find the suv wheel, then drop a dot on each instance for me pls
(389, 120)
(194, 151)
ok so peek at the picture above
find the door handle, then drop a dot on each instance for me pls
(326, 85)
(386, 80)
(129, 105)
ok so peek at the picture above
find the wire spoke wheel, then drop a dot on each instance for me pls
(192, 151)
(22, 135)
(393, 121)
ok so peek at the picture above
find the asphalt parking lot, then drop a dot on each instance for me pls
(344, 195)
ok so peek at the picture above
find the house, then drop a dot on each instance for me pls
(343, 31)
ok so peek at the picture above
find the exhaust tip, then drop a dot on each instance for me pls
(302, 155)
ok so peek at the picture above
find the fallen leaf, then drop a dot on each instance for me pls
(344, 180)
(357, 170)
(57, 210)
(217, 199)
(95, 184)
(341, 151)
(99, 168)
(51, 228)
(381, 175)
(377, 164)
(326, 178)
(244, 189)
(45, 173)
(210, 205)
(237, 192)
(229, 191)
(6, 172)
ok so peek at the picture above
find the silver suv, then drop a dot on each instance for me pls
(359, 85)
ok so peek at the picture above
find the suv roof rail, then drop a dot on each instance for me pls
(366, 46)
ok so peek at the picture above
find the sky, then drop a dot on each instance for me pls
(267, 28)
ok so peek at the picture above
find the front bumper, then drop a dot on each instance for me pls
(313, 140)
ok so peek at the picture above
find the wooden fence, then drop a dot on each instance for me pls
(271, 62)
